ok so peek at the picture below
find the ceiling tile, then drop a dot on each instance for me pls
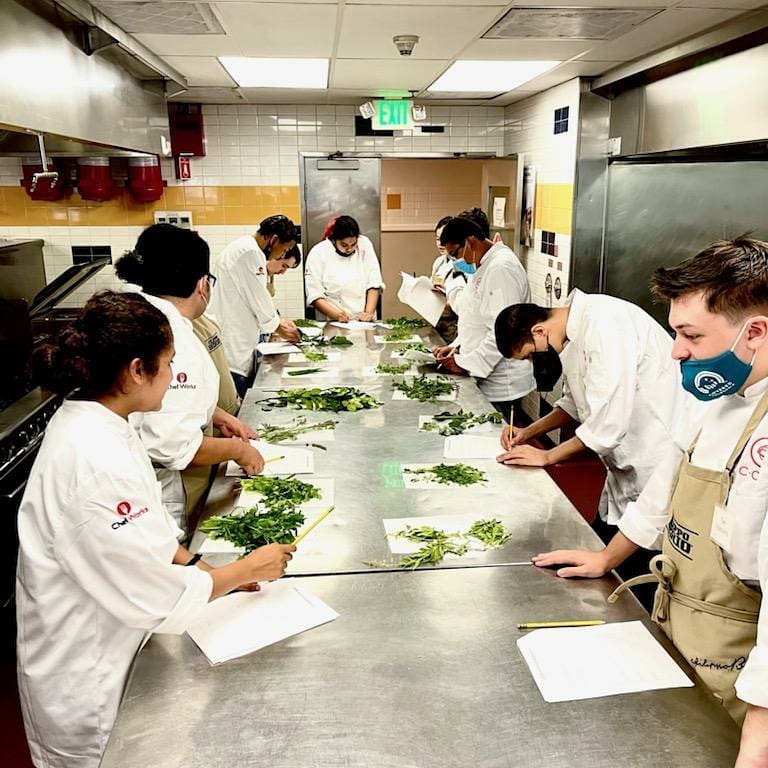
(367, 30)
(593, 3)
(745, 5)
(396, 74)
(190, 45)
(439, 3)
(201, 70)
(664, 29)
(526, 50)
(279, 29)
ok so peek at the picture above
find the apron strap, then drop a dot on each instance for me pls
(754, 420)
(657, 566)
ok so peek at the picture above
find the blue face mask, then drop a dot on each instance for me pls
(465, 267)
(716, 376)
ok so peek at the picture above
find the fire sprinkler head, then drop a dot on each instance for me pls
(405, 43)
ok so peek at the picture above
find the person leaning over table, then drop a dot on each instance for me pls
(621, 390)
(342, 275)
(240, 301)
(496, 279)
(442, 270)
(171, 265)
(709, 500)
(100, 565)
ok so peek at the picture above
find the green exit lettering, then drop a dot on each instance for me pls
(392, 114)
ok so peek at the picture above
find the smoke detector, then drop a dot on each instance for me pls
(405, 43)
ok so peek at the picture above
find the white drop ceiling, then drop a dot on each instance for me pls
(356, 35)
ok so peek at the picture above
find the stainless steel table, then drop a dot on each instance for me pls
(421, 670)
(365, 460)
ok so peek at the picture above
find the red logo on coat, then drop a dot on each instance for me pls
(181, 377)
(123, 508)
(758, 451)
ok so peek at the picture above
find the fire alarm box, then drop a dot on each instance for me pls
(186, 126)
(183, 168)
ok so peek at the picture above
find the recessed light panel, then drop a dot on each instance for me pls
(250, 72)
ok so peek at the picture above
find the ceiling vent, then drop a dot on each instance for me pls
(162, 18)
(568, 23)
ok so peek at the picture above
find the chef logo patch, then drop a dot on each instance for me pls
(681, 538)
(758, 451)
(123, 508)
(213, 342)
(182, 382)
(181, 377)
(127, 513)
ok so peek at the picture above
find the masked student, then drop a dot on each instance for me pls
(100, 565)
(342, 275)
(172, 267)
(708, 497)
(496, 279)
(241, 303)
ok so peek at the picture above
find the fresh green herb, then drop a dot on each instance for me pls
(278, 434)
(398, 334)
(491, 532)
(392, 368)
(304, 371)
(450, 474)
(312, 356)
(437, 544)
(417, 346)
(448, 423)
(304, 322)
(314, 344)
(281, 494)
(425, 389)
(331, 399)
(339, 341)
(251, 530)
(406, 322)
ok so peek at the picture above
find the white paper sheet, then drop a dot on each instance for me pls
(421, 482)
(472, 447)
(219, 547)
(355, 325)
(296, 461)
(276, 348)
(573, 663)
(417, 293)
(311, 331)
(487, 427)
(499, 209)
(450, 397)
(415, 355)
(383, 340)
(297, 358)
(450, 524)
(244, 622)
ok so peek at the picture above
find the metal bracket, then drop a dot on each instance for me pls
(45, 174)
(95, 40)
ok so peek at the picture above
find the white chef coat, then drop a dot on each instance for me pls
(442, 269)
(241, 303)
(455, 285)
(342, 280)
(499, 282)
(621, 383)
(746, 554)
(172, 435)
(95, 574)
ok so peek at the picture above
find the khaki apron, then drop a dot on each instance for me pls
(708, 613)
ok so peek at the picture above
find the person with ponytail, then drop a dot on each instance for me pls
(100, 565)
(342, 275)
(172, 267)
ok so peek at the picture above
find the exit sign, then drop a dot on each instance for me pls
(392, 115)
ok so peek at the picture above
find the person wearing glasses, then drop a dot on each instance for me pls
(495, 277)
(342, 275)
(241, 303)
(172, 267)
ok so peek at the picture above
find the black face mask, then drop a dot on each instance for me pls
(547, 368)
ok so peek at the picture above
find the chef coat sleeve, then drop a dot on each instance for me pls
(372, 268)
(253, 292)
(752, 682)
(313, 276)
(500, 288)
(173, 435)
(454, 290)
(609, 385)
(566, 401)
(126, 565)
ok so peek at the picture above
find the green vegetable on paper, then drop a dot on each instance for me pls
(491, 532)
(251, 529)
(313, 356)
(398, 334)
(304, 371)
(406, 322)
(437, 544)
(276, 434)
(334, 399)
(426, 389)
(392, 368)
(449, 474)
(449, 423)
(417, 346)
(281, 494)
(304, 322)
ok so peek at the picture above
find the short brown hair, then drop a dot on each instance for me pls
(732, 274)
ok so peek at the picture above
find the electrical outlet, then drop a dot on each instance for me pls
(181, 219)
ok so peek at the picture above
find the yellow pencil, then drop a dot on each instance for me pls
(318, 520)
(274, 458)
(549, 624)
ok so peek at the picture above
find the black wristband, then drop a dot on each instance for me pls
(194, 559)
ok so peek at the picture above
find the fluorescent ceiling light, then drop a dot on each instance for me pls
(489, 76)
(248, 72)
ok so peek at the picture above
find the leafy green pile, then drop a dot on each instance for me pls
(398, 334)
(491, 532)
(314, 356)
(437, 544)
(304, 322)
(277, 434)
(417, 346)
(304, 371)
(448, 423)
(392, 368)
(450, 474)
(281, 494)
(426, 389)
(251, 530)
(334, 399)
(406, 322)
